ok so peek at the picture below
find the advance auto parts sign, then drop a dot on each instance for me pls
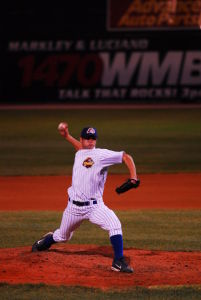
(108, 69)
(153, 14)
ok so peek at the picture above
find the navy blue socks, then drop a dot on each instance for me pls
(48, 241)
(117, 244)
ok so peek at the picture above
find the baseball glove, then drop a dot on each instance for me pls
(126, 186)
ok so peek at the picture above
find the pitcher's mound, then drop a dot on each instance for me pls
(90, 265)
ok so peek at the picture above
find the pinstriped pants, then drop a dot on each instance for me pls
(98, 214)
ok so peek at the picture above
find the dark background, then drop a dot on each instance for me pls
(30, 19)
(75, 20)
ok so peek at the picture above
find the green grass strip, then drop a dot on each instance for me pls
(156, 229)
(160, 140)
(45, 292)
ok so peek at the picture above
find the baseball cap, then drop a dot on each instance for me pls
(89, 133)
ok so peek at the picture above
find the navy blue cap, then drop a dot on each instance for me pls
(89, 132)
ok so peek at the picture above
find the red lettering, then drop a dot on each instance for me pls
(90, 70)
(70, 63)
(47, 71)
(27, 64)
(59, 70)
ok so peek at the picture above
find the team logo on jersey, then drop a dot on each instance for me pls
(88, 162)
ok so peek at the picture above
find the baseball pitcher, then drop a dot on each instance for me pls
(85, 195)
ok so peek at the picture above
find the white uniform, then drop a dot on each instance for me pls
(86, 194)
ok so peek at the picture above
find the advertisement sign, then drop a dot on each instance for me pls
(143, 63)
(102, 69)
(153, 14)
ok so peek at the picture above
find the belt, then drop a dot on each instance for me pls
(86, 203)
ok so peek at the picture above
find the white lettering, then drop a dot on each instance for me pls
(13, 46)
(40, 45)
(110, 93)
(152, 71)
(118, 44)
(119, 70)
(153, 93)
(74, 94)
(191, 93)
(192, 69)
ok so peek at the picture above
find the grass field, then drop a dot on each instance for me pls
(44, 292)
(162, 140)
(166, 140)
(159, 230)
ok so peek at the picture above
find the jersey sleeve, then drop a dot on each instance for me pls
(109, 157)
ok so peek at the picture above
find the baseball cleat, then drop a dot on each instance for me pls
(44, 243)
(119, 265)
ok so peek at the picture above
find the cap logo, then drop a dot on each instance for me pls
(88, 162)
(91, 130)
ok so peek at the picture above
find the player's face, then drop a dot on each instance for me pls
(88, 144)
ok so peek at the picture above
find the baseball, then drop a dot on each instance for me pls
(62, 126)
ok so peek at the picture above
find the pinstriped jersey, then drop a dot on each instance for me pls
(90, 172)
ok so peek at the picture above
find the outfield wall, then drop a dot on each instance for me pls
(102, 52)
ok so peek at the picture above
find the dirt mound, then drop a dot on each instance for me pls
(89, 265)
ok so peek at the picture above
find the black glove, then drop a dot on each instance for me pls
(129, 184)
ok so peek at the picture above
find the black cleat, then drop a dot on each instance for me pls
(44, 243)
(119, 265)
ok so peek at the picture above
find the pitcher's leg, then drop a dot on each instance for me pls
(68, 225)
(107, 220)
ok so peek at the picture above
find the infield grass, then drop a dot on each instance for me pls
(161, 140)
(44, 292)
(155, 230)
